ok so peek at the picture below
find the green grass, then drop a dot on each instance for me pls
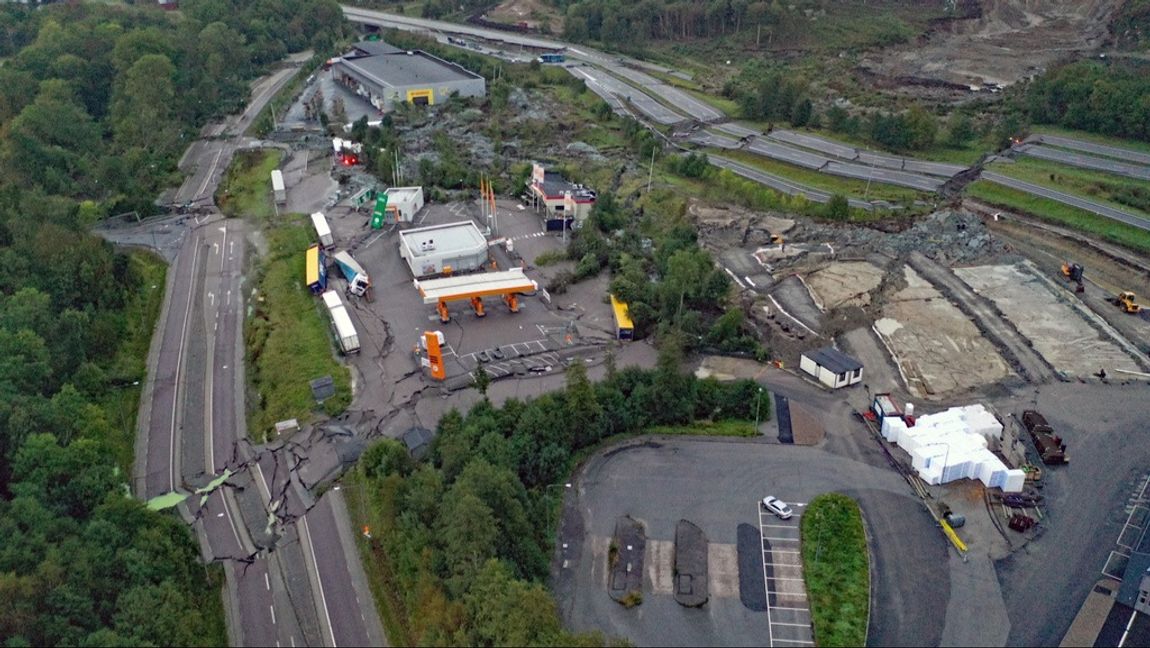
(847, 186)
(367, 507)
(1133, 145)
(1068, 180)
(1096, 185)
(836, 566)
(247, 188)
(130, 363)
(728, 107)
(709, 428)
(288, 340)
(1057, 212)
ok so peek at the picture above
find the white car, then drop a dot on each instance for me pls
(778, 507)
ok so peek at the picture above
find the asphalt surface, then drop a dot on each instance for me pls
(621, 66)
(731, 128)
(694, 107)
(708, 138)
(779, 183)
(828, 147)
(788, 154)
(1045, 584)
(1085, 161)
(1137, 157)
(885, 176)
(717, 486)
(1067, 199)
(599, 81)
(192, 423)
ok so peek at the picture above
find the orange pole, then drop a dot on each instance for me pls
(477, 304)
(444, 315)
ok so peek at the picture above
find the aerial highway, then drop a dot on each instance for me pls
(599, 82)
(192, 428)
(622, 66)
(1085, 161)
(1136, 157)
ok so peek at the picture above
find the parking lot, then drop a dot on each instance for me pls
(788, 611)
(714, 485)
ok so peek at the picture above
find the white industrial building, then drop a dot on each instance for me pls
(385, 76)
(831, 367)
(403, 203)
(443, 249)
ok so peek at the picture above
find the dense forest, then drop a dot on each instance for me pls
(97, 102)
(1111, 98)
(468, 533)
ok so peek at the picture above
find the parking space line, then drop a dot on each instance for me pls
(793, 625)
(785, 578)
(795, 609)
(794, 641)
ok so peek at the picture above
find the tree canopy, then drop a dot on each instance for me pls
(97, 102)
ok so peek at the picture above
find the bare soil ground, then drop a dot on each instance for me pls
(939, 349)
(1010, 40)
(845, 284)
(1070, 342)
(533, 12)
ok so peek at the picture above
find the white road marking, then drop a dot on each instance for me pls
(272, 609)
(176, 391)
(267, 583)
(319, 580)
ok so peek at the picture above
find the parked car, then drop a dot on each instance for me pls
(778, 507)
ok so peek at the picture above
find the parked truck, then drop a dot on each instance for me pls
(278, 187)
(358, 281)
(322, 230)
(345, 333)
(1048, 444)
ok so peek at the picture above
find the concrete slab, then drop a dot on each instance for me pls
(844, 284)
(1066, 339)
(937, 348)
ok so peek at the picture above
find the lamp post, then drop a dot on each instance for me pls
(945, 457)
(758, 396)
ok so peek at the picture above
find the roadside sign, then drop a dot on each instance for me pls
(380, 209)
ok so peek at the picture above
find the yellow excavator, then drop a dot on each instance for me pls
(1074, 272)
(1128, 302)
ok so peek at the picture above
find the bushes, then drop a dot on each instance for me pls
(837, 570)
(467, 535)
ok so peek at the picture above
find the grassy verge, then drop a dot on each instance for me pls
(247, 189)
(709, 428)
(836, 569)
(288, 343)
(130, 363)
(834, 184)
(368, 510)
(1057, 212)
(1096, 185)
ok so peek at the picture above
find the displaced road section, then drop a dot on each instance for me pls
(1068, 199)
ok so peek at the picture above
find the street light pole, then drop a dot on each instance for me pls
(758, 396)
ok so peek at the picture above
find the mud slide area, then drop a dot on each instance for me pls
(1003, 42)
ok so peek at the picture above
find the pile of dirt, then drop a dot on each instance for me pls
(733, 226)
(950, 237)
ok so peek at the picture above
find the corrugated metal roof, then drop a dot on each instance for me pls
(833, 360)
(397, 68)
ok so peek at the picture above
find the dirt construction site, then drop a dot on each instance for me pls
(949, 304)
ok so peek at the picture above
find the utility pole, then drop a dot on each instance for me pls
(651, 173)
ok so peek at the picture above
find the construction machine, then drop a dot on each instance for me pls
(1128, 302)
(1073, 272)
